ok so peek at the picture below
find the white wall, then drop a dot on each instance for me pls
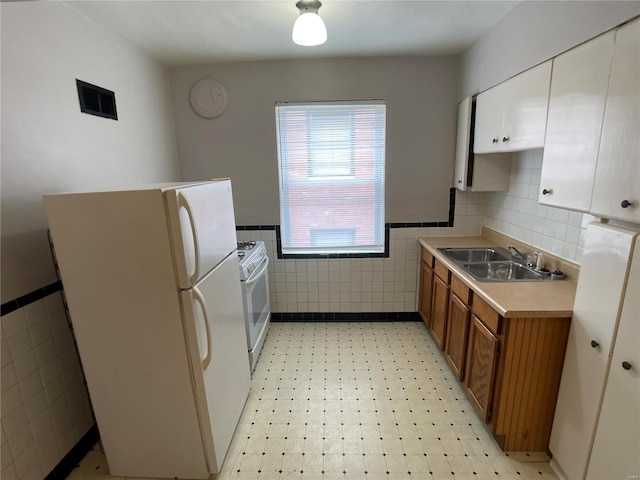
(535, 31)
(241, 143)
(48, 145)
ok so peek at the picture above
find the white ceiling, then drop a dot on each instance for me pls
(186, 32)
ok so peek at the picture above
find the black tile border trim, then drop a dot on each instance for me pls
(77, 453)
(29, 298)
(40, 293)
(346, 317)
(387, 227)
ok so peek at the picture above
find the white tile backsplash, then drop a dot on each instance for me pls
(518, 214)
(45, 404)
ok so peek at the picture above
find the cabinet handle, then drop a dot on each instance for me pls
(626, 365)
(547, 192)
(626, 203)
(495, 140)
(594, 344)
(505, 139)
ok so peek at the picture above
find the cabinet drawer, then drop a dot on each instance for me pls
(427, 257)
(487, 314)
(460, 289)
(441, 271)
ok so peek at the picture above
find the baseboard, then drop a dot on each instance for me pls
(77, 453)
(346, 317)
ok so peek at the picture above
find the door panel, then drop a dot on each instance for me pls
(595, 316)
(221, 383)
(439, 312)
(481, 367)
(617, 442)
(203, 228)
(457, 333)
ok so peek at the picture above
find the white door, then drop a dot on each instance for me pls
(576, 105)
(617, 443)
(462, 144)
(616, 190)
(595, 317)
(203, 228)
(215, 326)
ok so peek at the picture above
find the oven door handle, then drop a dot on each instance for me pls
(257, 274)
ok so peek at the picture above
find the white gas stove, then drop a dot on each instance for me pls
(250, 255)
(254, 274)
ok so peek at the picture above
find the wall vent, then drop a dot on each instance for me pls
(96, 100)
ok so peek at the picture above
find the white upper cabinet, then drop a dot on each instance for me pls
(477, 173)
(576, 106)
(616, 189)
(512, 116)
(462, 144)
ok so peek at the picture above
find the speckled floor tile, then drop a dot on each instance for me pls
(371, 401)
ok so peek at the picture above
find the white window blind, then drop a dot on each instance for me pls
(331, 166)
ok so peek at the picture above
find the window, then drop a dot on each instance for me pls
(331, 167)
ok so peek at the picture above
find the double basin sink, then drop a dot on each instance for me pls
(492, 265)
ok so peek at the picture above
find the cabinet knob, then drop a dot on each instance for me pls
(626, 365)
(626, 203)
(547, 191)
(594, 344)
(505, 139)
(495, 140)
(459, 181)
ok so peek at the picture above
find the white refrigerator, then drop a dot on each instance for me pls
(152, 283)
(596, 428)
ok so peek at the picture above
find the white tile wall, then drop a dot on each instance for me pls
(45, 405)
(518, 214)
(390, 284)
(359, 284)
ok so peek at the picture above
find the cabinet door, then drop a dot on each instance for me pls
(439, 312)
(616, 190)
(482, 360)
(457, 333)
(426, 289)
(527, 104)
(576, 105)
(490, 112)
(462, 144)
(617, 441)
(595, 316)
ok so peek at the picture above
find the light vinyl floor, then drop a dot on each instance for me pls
(374, 401)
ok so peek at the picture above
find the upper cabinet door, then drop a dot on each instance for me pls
(526, 110)
(462, 144)
(576, 106)
(616, 189)
(512, 116)
(490, 112)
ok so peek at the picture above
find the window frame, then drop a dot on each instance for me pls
(381, 230)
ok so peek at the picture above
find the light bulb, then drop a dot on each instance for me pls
(309, 30)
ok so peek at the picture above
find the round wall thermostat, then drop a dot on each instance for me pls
(208, 98)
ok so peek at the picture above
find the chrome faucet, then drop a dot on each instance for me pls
(517, 253)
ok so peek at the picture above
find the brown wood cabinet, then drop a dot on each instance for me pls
(481, 367)
(439, 311)
(426, 288)
(457, 332)
(510, 367)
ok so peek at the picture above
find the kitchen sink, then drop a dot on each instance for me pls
(502, 272)
(473, 255)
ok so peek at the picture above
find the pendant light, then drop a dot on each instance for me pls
(309, 29)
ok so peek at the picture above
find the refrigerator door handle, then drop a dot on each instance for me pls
(200, 299)
(183, 203)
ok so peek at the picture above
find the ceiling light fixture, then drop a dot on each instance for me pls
(309, 29)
